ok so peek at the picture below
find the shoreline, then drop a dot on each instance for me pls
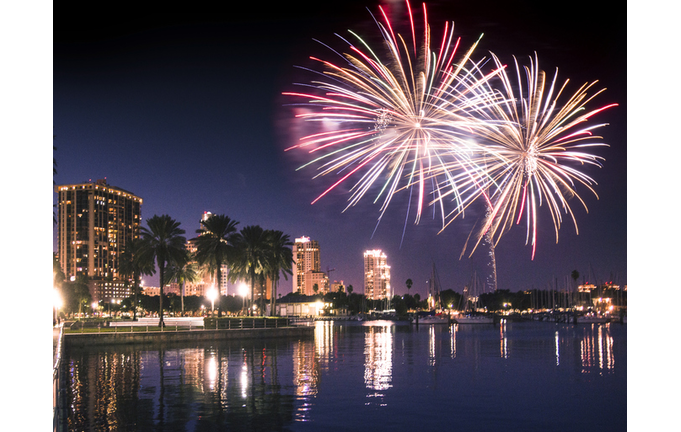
(82, 340)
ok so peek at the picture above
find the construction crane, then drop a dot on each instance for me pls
(329, 270)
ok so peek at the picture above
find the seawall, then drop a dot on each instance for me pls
(81, 340)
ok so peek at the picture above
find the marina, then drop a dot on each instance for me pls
(392, 375)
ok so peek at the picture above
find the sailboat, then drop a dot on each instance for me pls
(433, 297)
(592, 318)
(470, 299)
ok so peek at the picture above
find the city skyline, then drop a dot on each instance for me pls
(183, 115)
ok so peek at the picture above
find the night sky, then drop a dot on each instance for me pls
(184, 109)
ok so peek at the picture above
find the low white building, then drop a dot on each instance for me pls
(300, 306)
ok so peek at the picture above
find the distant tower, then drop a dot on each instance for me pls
(306, 267)
(208, 278)
(376, 275)
(95, 223)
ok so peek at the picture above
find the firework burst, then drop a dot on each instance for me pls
(396, 114)
(534, 144)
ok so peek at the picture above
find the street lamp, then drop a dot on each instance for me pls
(57, 303)
(212, 295)
(243, 292)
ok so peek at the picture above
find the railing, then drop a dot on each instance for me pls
(244, 323)
(149, 324)
(59, 387)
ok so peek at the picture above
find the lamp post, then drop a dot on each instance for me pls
(57, 304)
(243, 291)
(212, 295)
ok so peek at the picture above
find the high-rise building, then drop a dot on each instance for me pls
(316, 278)
(337, 286)
(306, 266)
(376, 275)
(95, 223)
(207, 279)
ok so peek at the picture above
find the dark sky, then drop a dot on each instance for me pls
(184, 108)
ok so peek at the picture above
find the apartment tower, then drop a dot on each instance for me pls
(95, 223)
(306, 267)
(376, 275)
(206, 278)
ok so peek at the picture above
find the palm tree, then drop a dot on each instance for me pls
(409, 283)
(251, 256)
(280, 260)
(162, 242)
(183, 272)
(575, 276)
(215, 245)
(132, 267)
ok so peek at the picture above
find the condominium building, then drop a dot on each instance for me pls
(376, 275)
(206, 278)
(337, 286)
(318, 279)
(95, 222)
(306, 267)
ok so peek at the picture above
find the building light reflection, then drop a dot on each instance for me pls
(323, 334)
(378, 353)
(305, 377)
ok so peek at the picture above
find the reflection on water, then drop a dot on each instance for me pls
(305, 377)
(504, 338)
(378, 357)
(271, 385)
(596, 349)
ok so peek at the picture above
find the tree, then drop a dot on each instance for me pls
(315, 288)
(350, 288)
(575, 276)
(409, 283)
(280, 260)
(215, 246)
(251, 256)
(132, 267)
(76, 294)
(182, 272)
(162, 241)
(58, 276)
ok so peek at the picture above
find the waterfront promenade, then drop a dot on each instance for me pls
(145, 331)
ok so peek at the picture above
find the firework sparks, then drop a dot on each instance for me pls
(397, 114)
(535, 145)
(432, 122)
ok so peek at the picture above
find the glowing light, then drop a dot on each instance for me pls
(395, 113)
(534, 143)
(433, 123)
(58, 302)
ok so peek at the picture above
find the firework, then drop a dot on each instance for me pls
(534, 145)
(397, 114)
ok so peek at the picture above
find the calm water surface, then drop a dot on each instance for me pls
(532, 376)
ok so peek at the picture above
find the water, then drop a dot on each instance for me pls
(531, 376)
